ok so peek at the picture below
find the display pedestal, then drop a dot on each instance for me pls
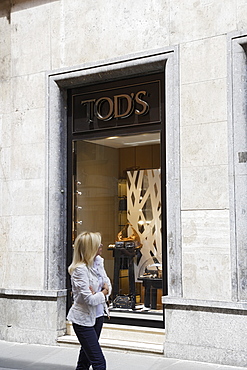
(151, 285)
(128, 255)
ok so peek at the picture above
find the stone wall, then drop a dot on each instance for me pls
(32, 316)
(211, 333)
(66, 34)
(204, 162)
(50, 38)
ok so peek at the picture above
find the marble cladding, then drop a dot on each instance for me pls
(198, 62)
(65, 34)
(59, 47)
(203, 82)
(241, 14)
(33, 59)
(133, 18)
(206, 335)
(204, 166)
(206, 266)
(198, 102)
(22, 169)
(33, 320)
(206, 229)
(5, 50)
(206, 255)
(206, 19)
(208, 185)
(196, 151)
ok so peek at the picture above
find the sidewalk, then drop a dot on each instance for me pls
(15, 356)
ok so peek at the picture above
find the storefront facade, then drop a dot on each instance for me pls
(101, 129)
(114, 172)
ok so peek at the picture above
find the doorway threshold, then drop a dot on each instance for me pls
(123, 337)
(150, 319)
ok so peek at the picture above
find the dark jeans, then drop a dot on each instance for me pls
(90, 353)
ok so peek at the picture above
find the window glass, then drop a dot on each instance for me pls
(117, 191)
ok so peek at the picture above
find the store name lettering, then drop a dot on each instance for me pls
(106, 108)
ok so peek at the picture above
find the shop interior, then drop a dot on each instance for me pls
(117, 191)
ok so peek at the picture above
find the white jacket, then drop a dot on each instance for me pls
(83, 311)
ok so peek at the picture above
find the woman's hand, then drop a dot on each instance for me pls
(105, 289)
(91, 288)
(106, 286)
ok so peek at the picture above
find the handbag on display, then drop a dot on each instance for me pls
(130, 242)
(124, 301)
(119, 245)
(129, 245)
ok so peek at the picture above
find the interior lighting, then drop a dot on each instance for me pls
(143, 142)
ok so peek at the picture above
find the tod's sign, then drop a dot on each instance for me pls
(97, 108)
(116, 107)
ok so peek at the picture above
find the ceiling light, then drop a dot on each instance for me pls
(143, 142)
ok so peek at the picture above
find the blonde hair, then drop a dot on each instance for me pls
(85, 249)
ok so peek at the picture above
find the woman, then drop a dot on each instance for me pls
(90, 287)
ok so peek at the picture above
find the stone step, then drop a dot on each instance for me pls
(123, 337)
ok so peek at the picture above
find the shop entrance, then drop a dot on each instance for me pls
(116, 171)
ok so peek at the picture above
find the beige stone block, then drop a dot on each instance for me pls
(5, 223)
(28, 161)
(204, 144)
(31, 316)
(25, 270)
(125, 29)
(191, 20)
(28, 127)
(241, 14)
(1, 197)
(206, 255)
(30, 42)
(32, 319)
(206, 276)
(23, 197)
(208, 335)
(5, 96)
(204, 102)
(28, 92)
(5, 199)
(3, 268)
(5, 49)
(5, 130)
(206, 231)
(57, 38)
(203, 60)
(33, 335)
(5, 164)
(126, 333)
(1, 130)
(26, 233)
(205, 187)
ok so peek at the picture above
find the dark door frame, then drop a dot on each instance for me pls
(117, 131)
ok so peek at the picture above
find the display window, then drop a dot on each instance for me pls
(116, 189)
